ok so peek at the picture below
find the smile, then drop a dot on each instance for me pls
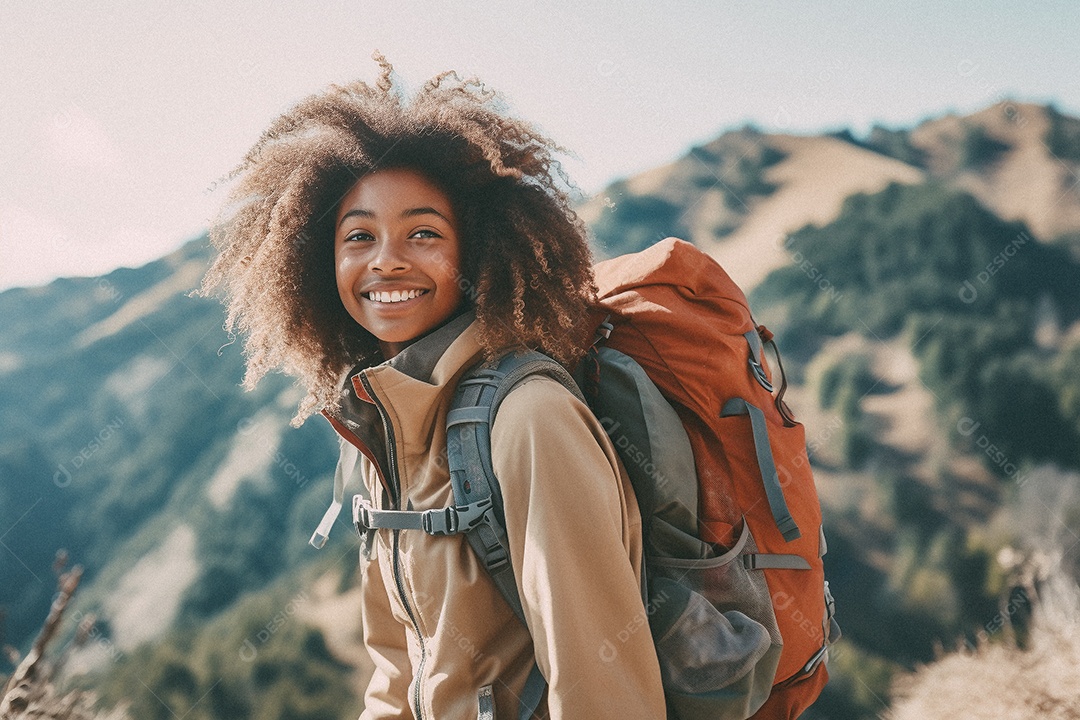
(394, 296)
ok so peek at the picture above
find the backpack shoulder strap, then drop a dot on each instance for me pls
(468, 451)
(468, 447)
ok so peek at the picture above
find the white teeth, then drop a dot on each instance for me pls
(394, 296)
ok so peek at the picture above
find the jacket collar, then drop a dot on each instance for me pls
(418, 362)
(409, 387)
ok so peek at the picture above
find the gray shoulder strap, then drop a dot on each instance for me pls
(468, 449)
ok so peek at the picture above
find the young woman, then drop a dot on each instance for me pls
(379, 246)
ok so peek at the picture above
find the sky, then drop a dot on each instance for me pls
(120, 118)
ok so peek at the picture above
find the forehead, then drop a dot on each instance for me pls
(392, 191)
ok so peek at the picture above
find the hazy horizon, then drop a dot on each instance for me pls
(121, 122)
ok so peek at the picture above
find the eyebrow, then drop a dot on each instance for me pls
(411, 212)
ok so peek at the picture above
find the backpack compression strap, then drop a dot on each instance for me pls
(774, 491)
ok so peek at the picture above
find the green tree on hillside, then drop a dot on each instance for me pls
(966, 287)
(259, 659)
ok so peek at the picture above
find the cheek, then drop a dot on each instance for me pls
(345, 275)
(454, 271)
(454, 280)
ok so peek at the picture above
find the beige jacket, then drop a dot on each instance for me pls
(435, 625)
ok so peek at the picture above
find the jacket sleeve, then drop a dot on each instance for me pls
(387, 694)
(575, 540)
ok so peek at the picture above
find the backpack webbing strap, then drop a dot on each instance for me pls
(347, 464)
(532, 693)
(757, 351)
(322, 532)
(774, 561)
(773, 490)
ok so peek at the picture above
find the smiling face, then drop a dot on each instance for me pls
(397, 256)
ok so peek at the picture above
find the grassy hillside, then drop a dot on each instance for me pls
(128, 434)
(965, 293)
(922, 285)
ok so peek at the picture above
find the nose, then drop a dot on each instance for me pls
(389, 258)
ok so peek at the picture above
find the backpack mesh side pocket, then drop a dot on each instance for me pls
(715, 632)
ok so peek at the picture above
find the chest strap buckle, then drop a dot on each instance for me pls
(439, 521)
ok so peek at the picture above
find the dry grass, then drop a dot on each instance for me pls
(31, 692)
(814, 179)
(999, 680)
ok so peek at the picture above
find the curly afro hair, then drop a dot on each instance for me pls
(526, 264)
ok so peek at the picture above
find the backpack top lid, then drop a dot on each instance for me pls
(672, 262)
(676, 310)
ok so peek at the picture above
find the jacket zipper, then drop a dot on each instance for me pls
(357, 443)
(416, 628)
(395, 482)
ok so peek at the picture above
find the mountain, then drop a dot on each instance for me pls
(922, 284)
(1018, 160)
(130, 442)
(743, 193)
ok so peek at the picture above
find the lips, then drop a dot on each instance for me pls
(393, 296)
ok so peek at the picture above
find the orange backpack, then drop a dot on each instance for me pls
(679, 315)
(734, 588)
